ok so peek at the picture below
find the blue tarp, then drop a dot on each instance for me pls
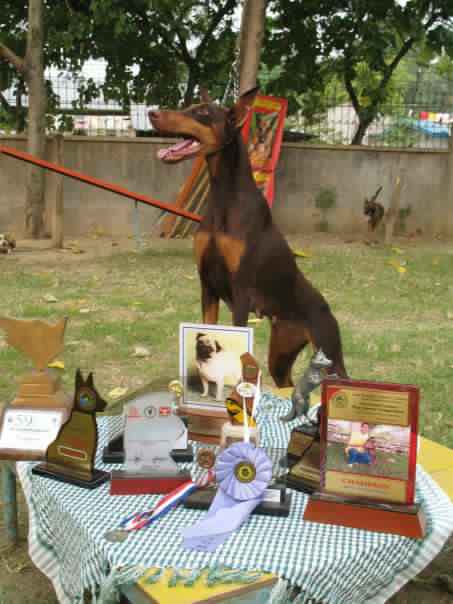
(431, 128)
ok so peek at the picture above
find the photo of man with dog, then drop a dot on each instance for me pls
(210, 361)
(365, 448)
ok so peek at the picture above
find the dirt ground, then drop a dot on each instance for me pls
(22, 583)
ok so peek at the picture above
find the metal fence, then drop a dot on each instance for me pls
(421, 125)
(78, 105)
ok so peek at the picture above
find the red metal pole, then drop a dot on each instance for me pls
(97, 182)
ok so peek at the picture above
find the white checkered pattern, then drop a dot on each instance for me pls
(335, 565)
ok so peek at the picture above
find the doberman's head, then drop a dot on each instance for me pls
(207, 127)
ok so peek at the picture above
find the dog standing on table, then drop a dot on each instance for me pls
(242, 257)
(214, 364)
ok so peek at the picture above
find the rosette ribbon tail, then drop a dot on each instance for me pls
(243, 473)
(215, 528)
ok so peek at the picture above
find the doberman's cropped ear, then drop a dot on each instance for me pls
(204, 95)
(239, 111)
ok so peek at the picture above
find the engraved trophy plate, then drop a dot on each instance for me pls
(29, 422)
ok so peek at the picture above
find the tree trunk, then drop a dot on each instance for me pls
(191, 83)
(252, 31)
(57, 218)
(361, 130)
(34, 201)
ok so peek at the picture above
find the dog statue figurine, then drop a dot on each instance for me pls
(311, 379)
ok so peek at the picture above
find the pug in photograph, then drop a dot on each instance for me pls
(215, 364)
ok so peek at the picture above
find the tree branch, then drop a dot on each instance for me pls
(214, 23)
(8, 55)
(352, 93)
(405, 48)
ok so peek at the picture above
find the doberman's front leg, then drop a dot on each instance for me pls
(209, 305)
(241, 306)
(288, 338)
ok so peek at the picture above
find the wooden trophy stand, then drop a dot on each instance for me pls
(205, 425)
(304, 459)
(31, 421)
(70, 458)
(404, 520)
(361, 499)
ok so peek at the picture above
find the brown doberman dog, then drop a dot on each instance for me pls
(242, 257)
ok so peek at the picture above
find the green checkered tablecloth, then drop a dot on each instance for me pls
(335, 565)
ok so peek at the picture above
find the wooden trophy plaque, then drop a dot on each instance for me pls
(368, 458)
(31, 421)
(304, 459)
(70, 458)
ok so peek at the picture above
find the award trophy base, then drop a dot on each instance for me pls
(85, 480)
(304, 459)
(205, 425)
(276, 502)
(114, 452)
(130, 483)
(404, 520)
(40, 396)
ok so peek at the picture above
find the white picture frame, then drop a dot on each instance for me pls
(207, 352)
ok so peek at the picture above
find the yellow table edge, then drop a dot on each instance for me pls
(200, 593)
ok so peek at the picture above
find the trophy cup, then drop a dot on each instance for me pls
(152, 431)
(304, 448)
(32, 420)
(70, 458)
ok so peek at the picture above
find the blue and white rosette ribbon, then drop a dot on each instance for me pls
(243, 473)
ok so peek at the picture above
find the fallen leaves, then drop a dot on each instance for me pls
(399, 266)
(302, 253)
(117, 392)
(49, 298)
(56, 364)
(74, 247)
(141, 352)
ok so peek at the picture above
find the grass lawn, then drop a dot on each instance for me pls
(394, 307)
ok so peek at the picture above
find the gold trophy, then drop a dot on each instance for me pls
(30, 422)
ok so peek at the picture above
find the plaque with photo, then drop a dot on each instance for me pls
(369, 440)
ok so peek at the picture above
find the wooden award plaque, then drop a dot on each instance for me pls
(70, 458)
(30, 422)
(368, 458)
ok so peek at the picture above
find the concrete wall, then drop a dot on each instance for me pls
(352, 173)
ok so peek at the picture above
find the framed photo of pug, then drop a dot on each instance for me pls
(209, 361)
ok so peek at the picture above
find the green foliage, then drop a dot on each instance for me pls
(326, 199)
(157, 52)
(362, 42)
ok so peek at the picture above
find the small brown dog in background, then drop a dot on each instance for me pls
(374, 210)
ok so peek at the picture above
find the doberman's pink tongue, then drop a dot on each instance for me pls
(186, 147)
